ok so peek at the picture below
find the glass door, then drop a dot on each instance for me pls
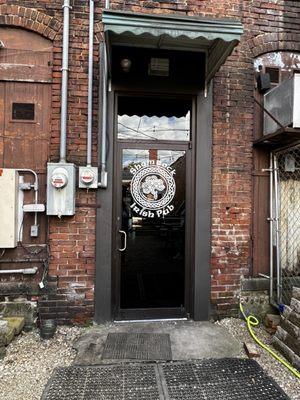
(153, 217)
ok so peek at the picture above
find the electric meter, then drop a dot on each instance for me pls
(88, 177)
(59, 178)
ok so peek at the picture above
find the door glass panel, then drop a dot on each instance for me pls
(153, 119)
(153, 218)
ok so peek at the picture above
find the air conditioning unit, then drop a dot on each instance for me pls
(283, 102)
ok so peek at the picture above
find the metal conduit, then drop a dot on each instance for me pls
(277, 227)
(64, 82)
(103, 55)
(35, 187)
(24, 271)
(90, 86)
(271, 294)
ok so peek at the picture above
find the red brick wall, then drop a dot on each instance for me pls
(268, 25)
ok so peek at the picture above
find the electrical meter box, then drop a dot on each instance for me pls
(61, 179)
(88, 177)
(9, 189)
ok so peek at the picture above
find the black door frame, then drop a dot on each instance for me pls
(200, 274)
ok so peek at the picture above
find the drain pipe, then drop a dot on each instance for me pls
(64, 83)
(90, 86)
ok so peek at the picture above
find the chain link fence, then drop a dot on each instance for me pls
(286, 230)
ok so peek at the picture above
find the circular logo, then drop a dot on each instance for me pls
(153, 187)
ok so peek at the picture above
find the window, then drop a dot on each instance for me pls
(23, 111)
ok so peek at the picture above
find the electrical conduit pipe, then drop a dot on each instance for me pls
(64, 82)
(103, 178)
(90, 86)
(24, 271)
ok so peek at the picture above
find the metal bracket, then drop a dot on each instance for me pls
(269, 114)
(268, 170)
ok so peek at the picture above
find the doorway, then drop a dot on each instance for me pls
(153, 207)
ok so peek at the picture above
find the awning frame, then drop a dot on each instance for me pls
(216, 37)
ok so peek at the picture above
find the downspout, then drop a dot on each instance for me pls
(103, 54)
(90, 86)
(64, 82)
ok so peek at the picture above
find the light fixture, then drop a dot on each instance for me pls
(126, 64)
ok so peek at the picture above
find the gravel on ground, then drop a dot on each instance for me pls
(30, 361)
(284, 378)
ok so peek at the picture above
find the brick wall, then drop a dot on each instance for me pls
(269, 25)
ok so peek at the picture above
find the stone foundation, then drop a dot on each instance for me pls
(287, 337)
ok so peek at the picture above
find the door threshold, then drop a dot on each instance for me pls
(149, 320)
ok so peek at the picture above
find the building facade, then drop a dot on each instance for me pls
(178, 222)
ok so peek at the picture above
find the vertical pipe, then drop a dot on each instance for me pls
(104, 106)
(271, 230)
(90, 85)
(64, 81)
(103, 57)
(278, 269)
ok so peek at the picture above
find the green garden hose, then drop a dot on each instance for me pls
(253, 321)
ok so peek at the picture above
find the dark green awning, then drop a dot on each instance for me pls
(216, 37)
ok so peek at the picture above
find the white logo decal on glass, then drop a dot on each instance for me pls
(152, 188)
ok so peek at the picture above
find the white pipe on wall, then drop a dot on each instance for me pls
(90, 86)
(64, 82)
(35, 187)
(24, 271)
(103, 55)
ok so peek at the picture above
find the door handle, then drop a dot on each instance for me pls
(125, 240)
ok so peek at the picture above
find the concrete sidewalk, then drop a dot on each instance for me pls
(189, 340)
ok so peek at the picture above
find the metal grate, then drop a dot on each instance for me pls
(109, 382)
(222, 379)
(226, 379)
(142, 346)
(287, 210)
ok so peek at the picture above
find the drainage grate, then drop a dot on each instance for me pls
(225, 379)
(141, 346)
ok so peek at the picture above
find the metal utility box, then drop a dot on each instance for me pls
(283, 102)
(88, 178)
(61, 179)
(9, 192)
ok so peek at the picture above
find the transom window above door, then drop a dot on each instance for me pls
(154, 118)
